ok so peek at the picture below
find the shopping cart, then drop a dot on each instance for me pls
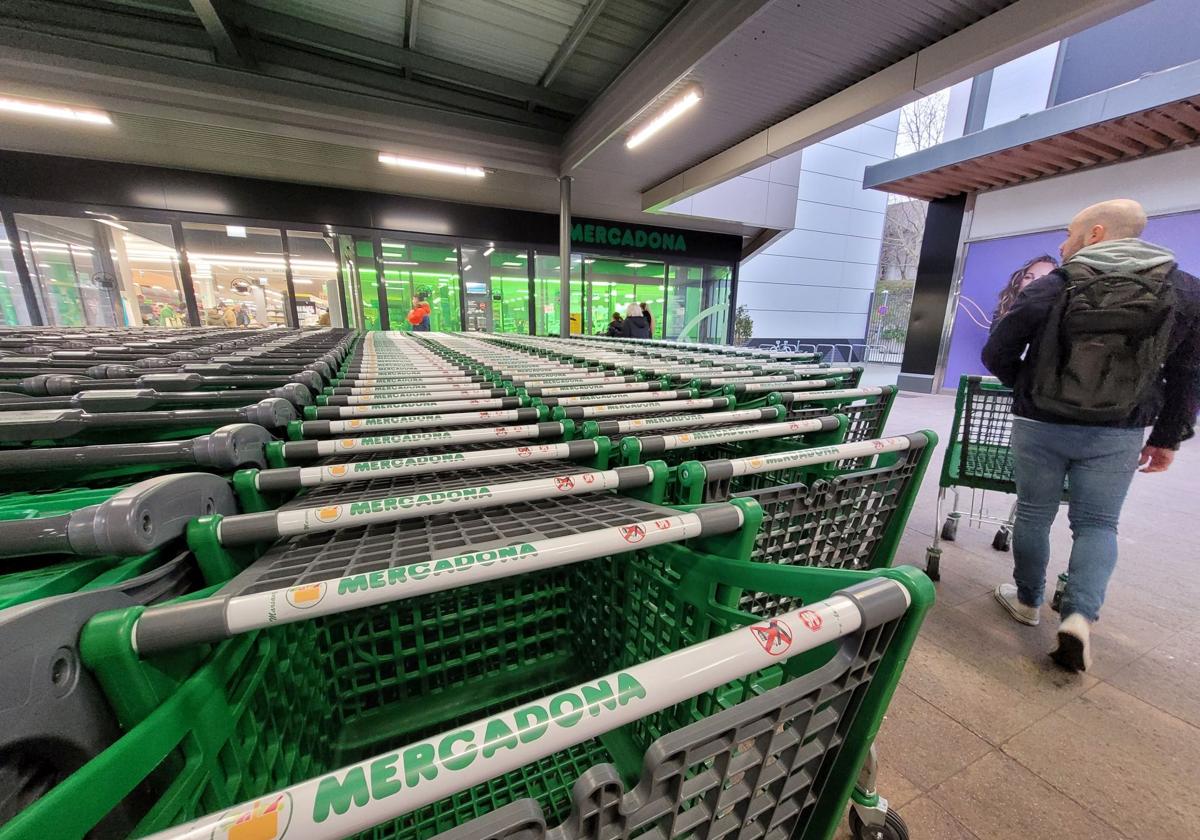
(576, 656)
(979, 458)
(816, 512)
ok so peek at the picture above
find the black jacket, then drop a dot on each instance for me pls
(1170, 408)
(614, 329)
(635, 326)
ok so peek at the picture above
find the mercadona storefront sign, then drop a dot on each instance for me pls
(618, 236)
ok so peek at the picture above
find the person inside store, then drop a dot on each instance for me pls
(1096, 351)
(648, 317)
(214, 316)
(168, 317)
(228, 316)
(243, 316)
(418, 316)
(635, 324)
(614, 326)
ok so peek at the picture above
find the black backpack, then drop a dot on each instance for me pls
(1105, 343)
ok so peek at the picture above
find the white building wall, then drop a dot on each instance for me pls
(763, 197)
(815, 282)
(1166, 183)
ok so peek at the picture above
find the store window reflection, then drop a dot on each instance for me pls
(313, 257)
(103, 272)
(415, 269)
(238, 274)
(13, 311)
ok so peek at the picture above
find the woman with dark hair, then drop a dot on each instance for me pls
(1022, 277)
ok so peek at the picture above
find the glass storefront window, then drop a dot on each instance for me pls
(414, 269)
(313, 257)
(614, 283)
(497, 288)
(13, 311)
(547, 297)
(103, 272)
(698, 305)
(238, 274)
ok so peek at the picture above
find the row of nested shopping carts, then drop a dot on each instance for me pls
(321, 584)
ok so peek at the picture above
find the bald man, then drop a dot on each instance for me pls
(1098, 457)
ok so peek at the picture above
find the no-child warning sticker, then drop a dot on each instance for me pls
(774, 636)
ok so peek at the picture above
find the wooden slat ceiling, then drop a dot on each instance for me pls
(1157, 129)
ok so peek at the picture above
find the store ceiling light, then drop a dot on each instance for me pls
(54, 112)
(432, 166)
(512, 264)
(488, 252)
(635, 265)
(235, 231)
(112, 224)
(681, 105)
(450, 259)
(400, 262)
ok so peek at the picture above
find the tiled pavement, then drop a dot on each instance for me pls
(987, 740)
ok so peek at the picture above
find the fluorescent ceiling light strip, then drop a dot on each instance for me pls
(672, 113)
(54, 112)
(432, 166)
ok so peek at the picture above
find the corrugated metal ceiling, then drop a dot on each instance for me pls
(382, 20)
(614, 40)
(512, 38)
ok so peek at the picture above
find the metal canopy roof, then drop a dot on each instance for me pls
(533, 63)
(312, 90)
(1159, 112)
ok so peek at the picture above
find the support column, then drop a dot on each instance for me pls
(934, 295)
(18, 256)
(564, 255)
(290, 313)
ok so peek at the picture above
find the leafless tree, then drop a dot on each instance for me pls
(922, 124)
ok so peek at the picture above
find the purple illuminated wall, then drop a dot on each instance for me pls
(990, 263)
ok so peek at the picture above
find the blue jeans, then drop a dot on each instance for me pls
(1099, 463)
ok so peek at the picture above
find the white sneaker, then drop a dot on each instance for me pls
(1074, 651)
(1006, 594)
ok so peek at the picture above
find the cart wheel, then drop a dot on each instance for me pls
(893, 828)
(1003, 540)
(933, 563)
(950, 528)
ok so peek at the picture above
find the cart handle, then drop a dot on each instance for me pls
(293, 478)
(247, 528)
(654, 445)
(639, 396)
(682, 421)
(728, 468)
(838, 394)
(387, 786)
(426, 421)
(609, 409)
(380, 443)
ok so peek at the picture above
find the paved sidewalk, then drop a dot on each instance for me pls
(987, 740)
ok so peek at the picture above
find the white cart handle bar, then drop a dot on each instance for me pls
(248, 528)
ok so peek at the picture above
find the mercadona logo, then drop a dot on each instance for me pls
(262, 819)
